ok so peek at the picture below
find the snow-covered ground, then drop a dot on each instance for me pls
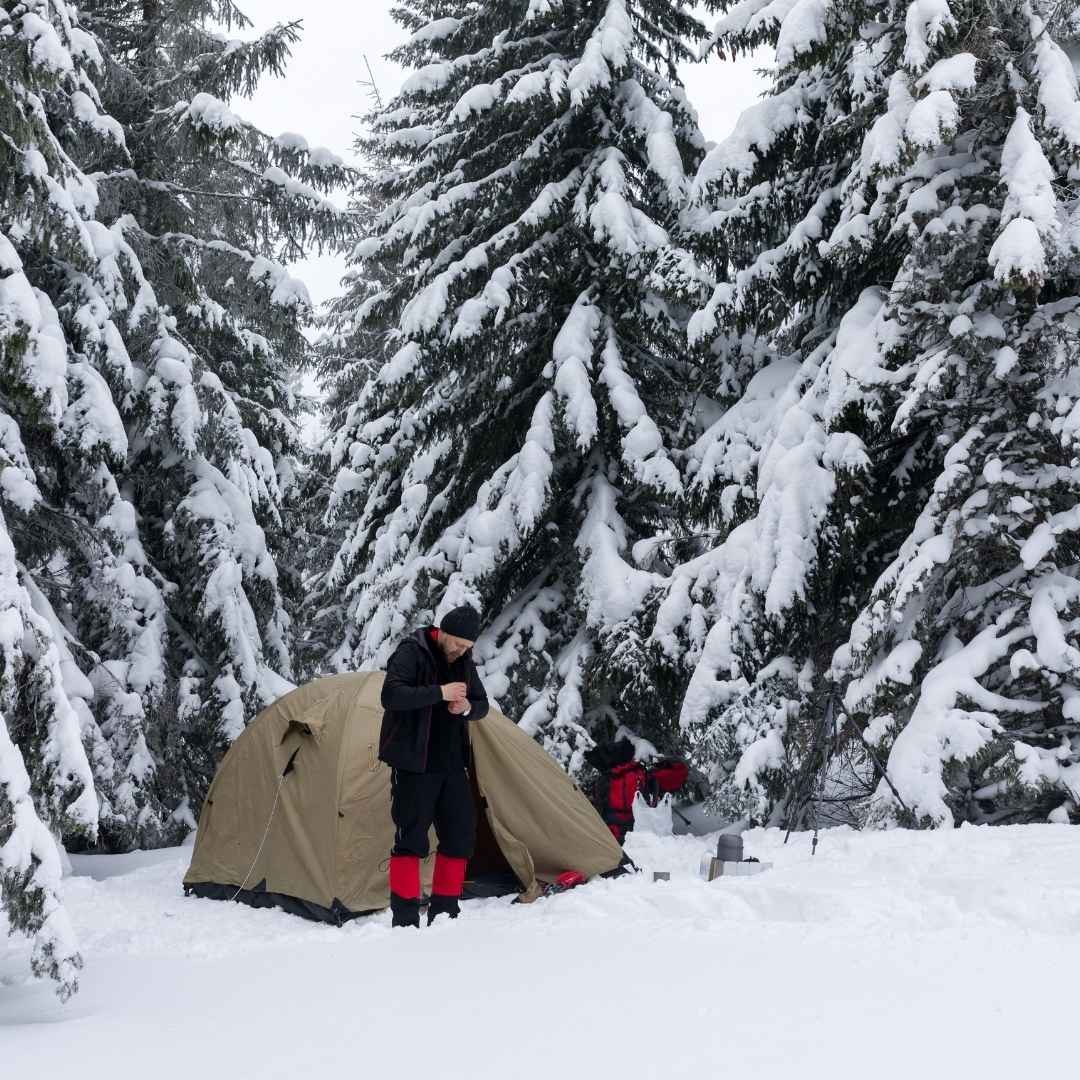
(907, 955)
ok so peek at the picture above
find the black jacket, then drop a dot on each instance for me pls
(410, 694)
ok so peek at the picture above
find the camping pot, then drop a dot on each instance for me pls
(729, 848)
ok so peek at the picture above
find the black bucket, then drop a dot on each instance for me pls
(729, 848)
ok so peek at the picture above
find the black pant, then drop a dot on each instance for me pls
(419, 800)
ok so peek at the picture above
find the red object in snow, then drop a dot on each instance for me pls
(569, 879)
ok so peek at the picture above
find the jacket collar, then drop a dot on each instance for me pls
(421, 638)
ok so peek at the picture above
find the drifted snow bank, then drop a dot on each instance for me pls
(890, 955)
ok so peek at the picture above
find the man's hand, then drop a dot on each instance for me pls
(455, 693)
(458, 708)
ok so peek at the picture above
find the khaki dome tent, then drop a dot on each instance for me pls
(324, 855)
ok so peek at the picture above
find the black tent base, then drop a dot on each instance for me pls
(481, 887)
(337, 913)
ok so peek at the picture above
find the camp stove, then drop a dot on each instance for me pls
(729, 860)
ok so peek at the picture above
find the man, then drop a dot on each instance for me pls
(430, 693)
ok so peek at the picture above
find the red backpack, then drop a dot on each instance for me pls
(666, 776)
(624, 782)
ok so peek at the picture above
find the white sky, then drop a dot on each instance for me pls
(321, 97)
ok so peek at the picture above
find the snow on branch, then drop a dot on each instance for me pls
(643, 445)
(657, 126)
(1030, 216)
(944, 727)
(804, 28)
(572, 356)
(928, 21)
(607, 53)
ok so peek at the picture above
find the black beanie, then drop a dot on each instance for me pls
(462, 622)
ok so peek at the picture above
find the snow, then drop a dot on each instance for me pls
(608, 49)
(286, 291)
(32, 662)
(85, 47)
(883, 147)
(435, 30)
(798, 466)
(206, 112)
(1018, 254)
(48, 50)
(476, 99)
(643, 445)
(30, 849)
(1054, 593)
(321, 157)
(572, 354)
(751, 16)
(91, 418)
(277, 176)
(1030, 213)
(528, 87)
(757, 129)
(953, 73)
(613, 589)
(953, 719)
(658, 128)
(539, 8)
(62, 753)
(428, 79)
(87, 112)
(932, 120)
(517, 494)
(1028, 175)
(733, 443)
(1057, 83)
(614, 219)
(927, 21)
(897, 666)
(803, 29)
(888, 954)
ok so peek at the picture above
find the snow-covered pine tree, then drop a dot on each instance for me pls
(204, 210)
(521, 432)
(347, 358)
(58, 430)
(898, 487)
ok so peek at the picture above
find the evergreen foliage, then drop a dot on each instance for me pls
(896, 489)
(526, 326)
(211, 209)
(148, 337)
(58, 429)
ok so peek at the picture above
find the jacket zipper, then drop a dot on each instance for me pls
(427, 737)
(432, 670)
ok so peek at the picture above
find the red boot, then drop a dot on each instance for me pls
(446, 886)
(405, 890)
